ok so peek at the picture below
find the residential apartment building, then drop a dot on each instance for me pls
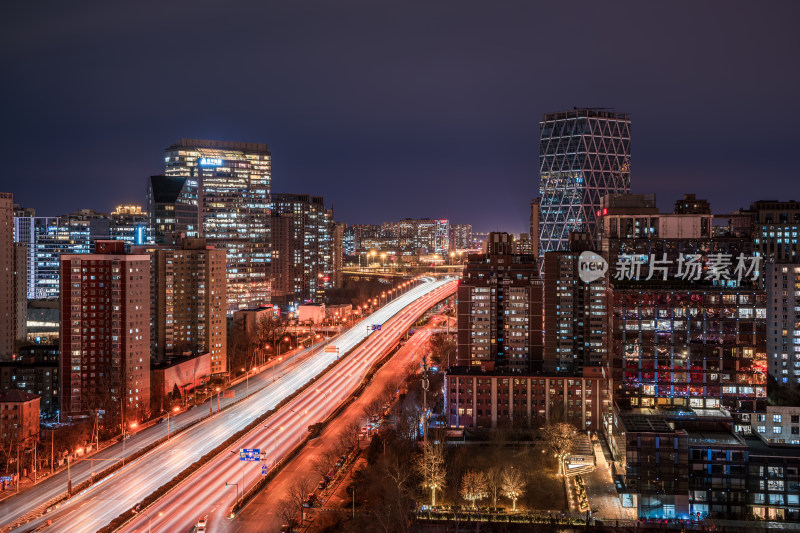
(303, 249)
(13, 287)
(35, 371)
(782, 284)
(19, 417)
(188, 301)
(500, 310)
(577, 313)
(105, 333)
(478, 399)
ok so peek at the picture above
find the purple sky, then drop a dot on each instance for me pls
(398, 109)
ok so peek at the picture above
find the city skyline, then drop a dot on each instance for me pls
(466, 112)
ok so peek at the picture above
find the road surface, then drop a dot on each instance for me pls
(107, 499)
(47, 489)
(206, 493)
(260, 515)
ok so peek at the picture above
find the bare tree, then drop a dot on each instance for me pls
(287, 511)
(493, 482)
(474, 486)
(298, 493)
(323, 463)
(560, 439)
(443, 350)
(430, 465)
(373, 409)
(513, 485)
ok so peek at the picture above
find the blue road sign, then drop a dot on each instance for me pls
(7, 479)
(250, 454)
(376, 327)
(264, 470)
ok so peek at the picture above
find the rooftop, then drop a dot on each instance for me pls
(714, 438)
(17, 396)
(758, 447)
(586, 112)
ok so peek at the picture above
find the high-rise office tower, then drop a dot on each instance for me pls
(49, 237)
(303, 254)
(783, 322)
(13, 286)
(188, 301)
(231, 182)
(105, 333)
(584, 154)
(500, 310)
(576, 312)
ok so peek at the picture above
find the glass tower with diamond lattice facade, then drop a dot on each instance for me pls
(584, 154)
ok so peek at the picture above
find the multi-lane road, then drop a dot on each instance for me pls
(262, 514)
(107, 499)
(16, 506)
(205, 494)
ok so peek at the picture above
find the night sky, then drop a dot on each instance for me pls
(393, 109)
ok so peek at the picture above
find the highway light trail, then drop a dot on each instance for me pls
(106, 500)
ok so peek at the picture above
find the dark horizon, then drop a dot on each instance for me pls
(387, 111)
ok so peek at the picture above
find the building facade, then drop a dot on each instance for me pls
(478, 399)
(13, 286)
(783, 321)
(776, 230)
(500, 310)
(35, 371)
(232, 183)
(130, 224)
(584, 154)
(19, 417)
(171, 207)
(303, 261)
(460, 237)
(105, 333)
(689, 316)
(577, 312)
(189, 302)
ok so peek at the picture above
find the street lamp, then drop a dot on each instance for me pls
(174, 410)
(237, 488)
(274, 444)
(124, 438)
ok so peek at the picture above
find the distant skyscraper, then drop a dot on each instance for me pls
(584, 154)
(460, 236)
(303, 262)
(105, 333)
(231, 182)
